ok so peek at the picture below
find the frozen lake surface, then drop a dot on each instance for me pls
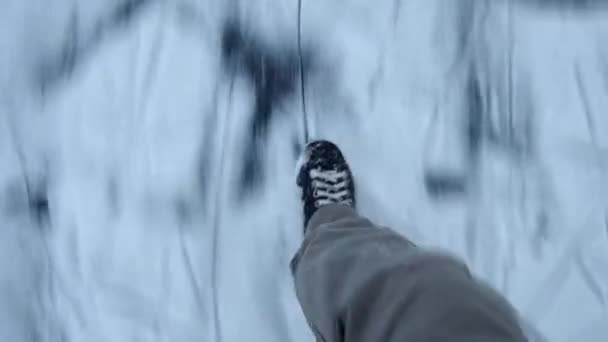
(147, 153)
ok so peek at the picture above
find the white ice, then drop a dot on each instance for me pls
(140, 246)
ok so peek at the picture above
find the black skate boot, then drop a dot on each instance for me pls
(324, 177)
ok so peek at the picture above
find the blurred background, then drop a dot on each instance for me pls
(147, 154)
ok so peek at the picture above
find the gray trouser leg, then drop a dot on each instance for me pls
(357, 282)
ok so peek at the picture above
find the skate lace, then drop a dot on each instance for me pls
(330, 186)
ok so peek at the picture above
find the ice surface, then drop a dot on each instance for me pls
(147, 152)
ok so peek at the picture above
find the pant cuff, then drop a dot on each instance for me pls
(328, 214)
(324, 215)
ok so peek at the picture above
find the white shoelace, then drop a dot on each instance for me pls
(330, 187)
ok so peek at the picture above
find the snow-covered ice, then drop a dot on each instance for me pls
(147, 153)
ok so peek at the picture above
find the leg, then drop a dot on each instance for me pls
(358, 282)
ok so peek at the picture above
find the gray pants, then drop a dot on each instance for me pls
(358, 282)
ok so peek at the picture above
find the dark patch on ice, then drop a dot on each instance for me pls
(39, 203)
(62, 67)
(251, 173)
(465, 23)
(510, 130)
(40, 207)
(444, 184)
(124, 12)
(273, 75)
(80, 41)
(296, 147)
(396, 11)
(182, 211)
(474, 118)
(541, 233)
